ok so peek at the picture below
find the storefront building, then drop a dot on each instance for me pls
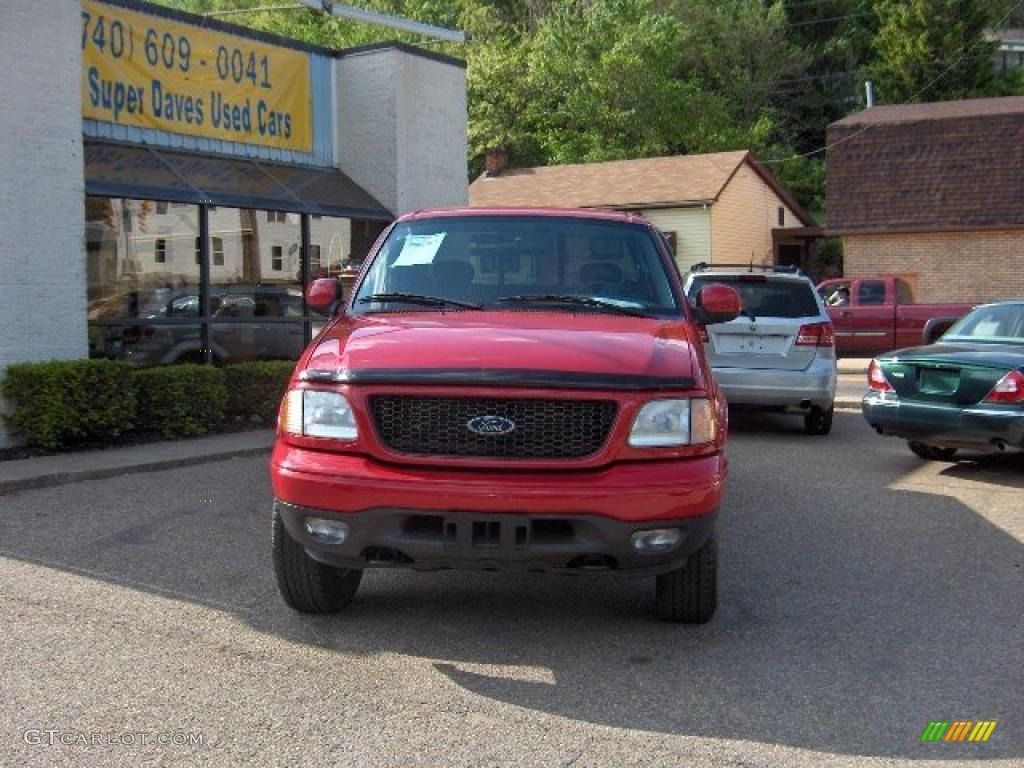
(170, 183)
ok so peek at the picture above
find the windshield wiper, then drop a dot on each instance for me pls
(418, 298)
(572, 300)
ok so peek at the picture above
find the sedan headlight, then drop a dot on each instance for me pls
(667, 423)
(314, 413)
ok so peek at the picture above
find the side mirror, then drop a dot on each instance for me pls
(935, 328)
(717, 303)
(322, 294)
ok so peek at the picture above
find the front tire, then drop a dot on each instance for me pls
(689, 595)
(931, 452)
(307, 585)
(818, 421)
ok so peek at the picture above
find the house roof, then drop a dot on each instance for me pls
(1009, 35)
(653, 182)
(891, 114)
(918, 167)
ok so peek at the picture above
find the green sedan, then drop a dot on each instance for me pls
(965, 391)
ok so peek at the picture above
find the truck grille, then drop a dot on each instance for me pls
(543, 429)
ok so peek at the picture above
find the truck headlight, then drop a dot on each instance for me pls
(667, 423)
(314, 413)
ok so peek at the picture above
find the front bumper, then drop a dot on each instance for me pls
(815, 385)
(533, 520)
(427, 540)
(979, 426)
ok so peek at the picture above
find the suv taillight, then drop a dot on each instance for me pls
(816, 335)
(877, 380)
(1010, 389)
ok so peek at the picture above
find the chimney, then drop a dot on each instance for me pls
(497, 159)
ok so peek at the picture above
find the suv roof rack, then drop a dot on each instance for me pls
(702, 266)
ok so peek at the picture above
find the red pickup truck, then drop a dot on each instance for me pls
(875, 314)
(506, 390)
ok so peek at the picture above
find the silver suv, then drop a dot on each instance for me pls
(780, 352)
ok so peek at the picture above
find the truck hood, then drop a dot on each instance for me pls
(543, 349)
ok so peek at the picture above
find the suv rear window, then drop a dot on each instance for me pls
(762, 296)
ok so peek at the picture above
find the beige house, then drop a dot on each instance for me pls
(717, 208)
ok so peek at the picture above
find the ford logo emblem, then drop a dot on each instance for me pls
(490, 425)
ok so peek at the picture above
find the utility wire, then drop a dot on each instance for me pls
(850, 72)
(913, 98)
(806, 3)
(827, 19)
(255, 9)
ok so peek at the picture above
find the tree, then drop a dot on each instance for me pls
(740, 49)
(563, 81)
(1011, 12)
(835, 36)
(602, 83)
(933, 50)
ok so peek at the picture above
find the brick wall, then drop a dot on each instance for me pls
(42, 210)
(944, 266)
(401, 128)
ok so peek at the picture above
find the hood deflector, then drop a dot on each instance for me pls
(501, 377)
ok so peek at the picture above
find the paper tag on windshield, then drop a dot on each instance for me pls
(419, 249)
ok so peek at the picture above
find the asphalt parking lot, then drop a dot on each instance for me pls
(863, 593)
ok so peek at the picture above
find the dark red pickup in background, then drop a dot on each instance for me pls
(878, 313)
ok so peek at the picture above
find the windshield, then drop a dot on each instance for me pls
(998, 324)
(518, 263)
(764, 297)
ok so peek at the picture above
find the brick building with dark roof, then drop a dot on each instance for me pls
(934, 193)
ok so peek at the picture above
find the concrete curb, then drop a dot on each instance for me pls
(853, 365)
(49, 471)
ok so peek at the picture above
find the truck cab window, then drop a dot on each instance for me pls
(871, 292)
(836, 295)
(903, 293)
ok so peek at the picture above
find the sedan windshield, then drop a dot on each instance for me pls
(518, 263)
(994, 324)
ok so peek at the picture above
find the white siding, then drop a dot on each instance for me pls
(42, 211)
(743, 219)
(692, 228)
(401, 128)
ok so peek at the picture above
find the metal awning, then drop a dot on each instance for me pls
(151, 173)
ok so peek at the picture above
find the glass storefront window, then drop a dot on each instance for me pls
(255, 275)
(331, 254)
(331, 241)
(258, 341)
(142, 271)
(338, 247)
(144, 279)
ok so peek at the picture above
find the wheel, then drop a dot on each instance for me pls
(307, 585)
(690, 594)
(818, 421)
(931, 452)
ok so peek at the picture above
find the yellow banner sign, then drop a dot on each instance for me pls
(152, 72)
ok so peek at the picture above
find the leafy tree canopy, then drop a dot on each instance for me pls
(934, 49)
(564, 81)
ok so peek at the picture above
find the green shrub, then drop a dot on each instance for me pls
(256, 389)
(64, 402)
(180, 400)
